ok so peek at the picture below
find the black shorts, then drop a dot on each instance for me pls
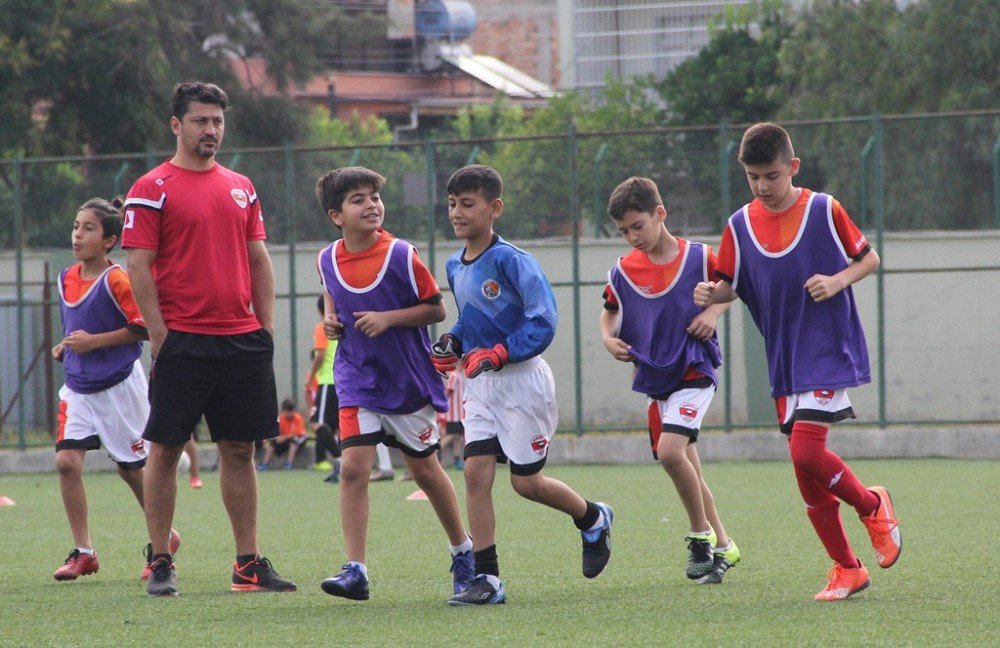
(326, 407)
(227, 378)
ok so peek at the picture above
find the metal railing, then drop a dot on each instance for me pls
(917, 183)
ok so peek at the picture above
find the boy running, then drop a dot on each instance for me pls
(379, 299)
(649, 320)
(104, 398)
(791, 255)
(506, 318)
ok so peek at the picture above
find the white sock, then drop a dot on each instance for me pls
(493, 580)
(599, 523)
(729, 545)
(384, 460)
(364, 570)
(462, 548)
(86, 552)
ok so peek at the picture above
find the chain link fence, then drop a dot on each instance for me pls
(926, 189)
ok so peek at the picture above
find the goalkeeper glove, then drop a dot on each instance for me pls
(444, 354)
(479, 360)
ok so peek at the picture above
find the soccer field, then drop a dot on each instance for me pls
(943, 591)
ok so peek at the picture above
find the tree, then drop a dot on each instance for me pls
(733, 78)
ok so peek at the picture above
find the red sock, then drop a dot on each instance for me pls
(824, 513)
(810, 455)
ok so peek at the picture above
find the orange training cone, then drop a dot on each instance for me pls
(6, 501)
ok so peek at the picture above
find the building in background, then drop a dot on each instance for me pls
(421, 62)
(625, 38)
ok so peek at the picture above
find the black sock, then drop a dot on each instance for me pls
(245, 558)
(486, 561)
(589, 518)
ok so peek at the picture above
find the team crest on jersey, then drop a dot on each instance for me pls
(137, 446)
(490, 289)
(688, 412)
(129, 219)
(240, 197)
(425, 434)
(823, 396)
(539, 443)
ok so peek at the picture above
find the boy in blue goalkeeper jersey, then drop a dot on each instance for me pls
(506, 318)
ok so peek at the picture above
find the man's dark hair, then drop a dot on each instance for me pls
(635, 194)
(190, 92)
(476, 177)
(110, 213)
(766, 143)
(332, 188)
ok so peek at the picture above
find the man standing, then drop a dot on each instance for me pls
(194, 235)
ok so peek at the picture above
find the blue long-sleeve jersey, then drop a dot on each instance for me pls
(502, 297)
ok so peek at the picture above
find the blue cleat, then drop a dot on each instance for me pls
(351, 583)
(463, 569)
(597, 544)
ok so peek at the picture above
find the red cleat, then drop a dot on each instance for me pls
(844, 582)
(76, 565)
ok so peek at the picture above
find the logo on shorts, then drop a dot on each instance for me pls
(138, 447)
(823, 396)
(539, 443)
(490, 289)
(688, 412)
(425, 434)
(240, 197)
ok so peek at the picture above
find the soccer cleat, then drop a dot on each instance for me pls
(351, 583)
(844, 582)
(883, 529)
(481, 592)
(722, 560)
(196, 482)
(77, 564)
(262, 466)
(597, 544)
(323, 465)
(173, 544)
(463, 569)
(701, 555)
(459, 464)
(258, 575)
(333, 477)
(162, 577)
(289, 465)
(382, 475)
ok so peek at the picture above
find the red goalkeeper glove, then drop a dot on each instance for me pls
(444, 354)
(479, 360)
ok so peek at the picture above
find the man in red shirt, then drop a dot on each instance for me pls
(194, 235)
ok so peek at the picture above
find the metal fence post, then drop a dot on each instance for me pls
(866, 154)
(880, 273)
(574, 212)
(431, 220)
(598, 212)
(19, 273)
(292, 283)
(996, 183)
(725, 150)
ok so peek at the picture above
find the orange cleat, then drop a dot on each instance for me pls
(76, 565)
(883, 529)
(196, 482)
(844, 582)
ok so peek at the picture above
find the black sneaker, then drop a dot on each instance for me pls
(723, 560)
(162, 577)
(258, 575)
(700, 554)
(597, 544)
(481, 592)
